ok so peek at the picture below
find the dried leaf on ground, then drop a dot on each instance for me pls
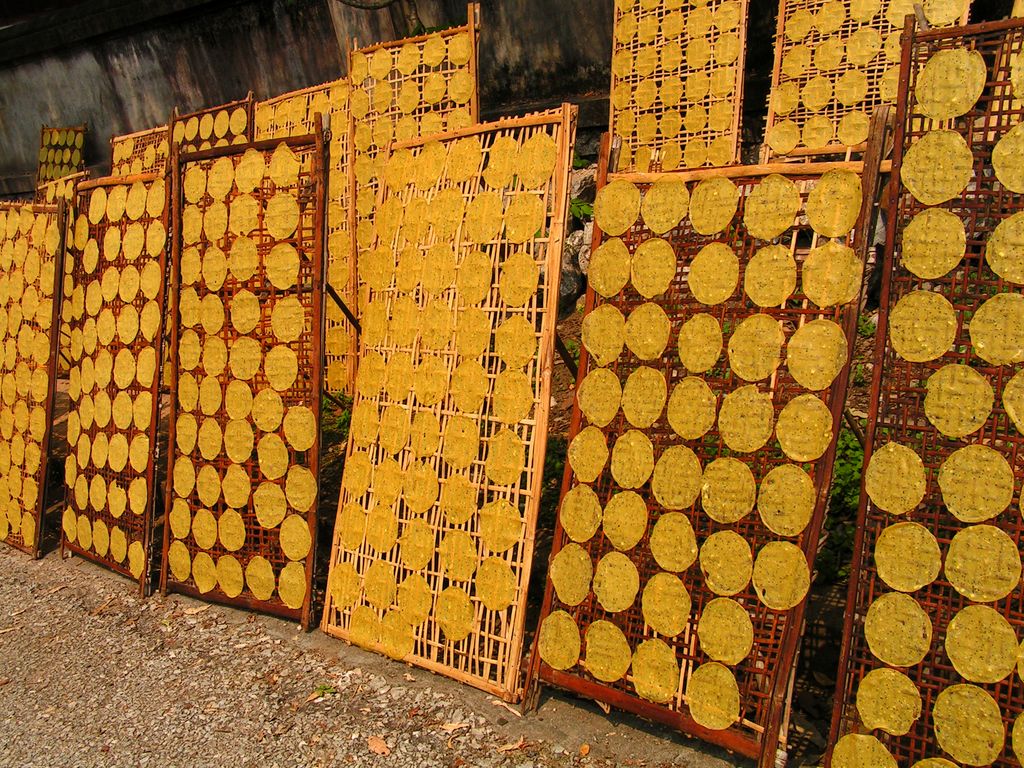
(505, 748)
(506, 705)
(378, 746)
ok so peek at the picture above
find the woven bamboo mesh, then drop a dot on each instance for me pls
(934, 616)
(60, 152)
(64, 188)
(51, 193)
(836, 61)
(31, 260)
(434, 536)
(292, 114)
(402, 90)
(219, 126)
(731, 382)
(246, 377)
(118, 261)
(144, 151)
(677, 82)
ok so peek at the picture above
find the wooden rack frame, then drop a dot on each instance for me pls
(61, 152)
(260, 541)
(488, 655)
(89, 531)
(200, 130)
(763, 677)
(793, 19)
(655, 135)
(897, 410)
(44, 227)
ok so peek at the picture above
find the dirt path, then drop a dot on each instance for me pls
(92, 675)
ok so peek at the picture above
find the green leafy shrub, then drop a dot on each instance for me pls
(833, 561)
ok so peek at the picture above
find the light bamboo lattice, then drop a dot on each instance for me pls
(292, 114)
(118, 260)
(49, 194)
(836, 61)
(31, 261)
(434, 535)
(709, 399)
(930, 670)
(144, 151)
(401, 90)
(677, 82)
(246, 375)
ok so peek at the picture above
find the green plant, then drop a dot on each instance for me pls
(574, 350)
(845, 492)
(581, 209)
(554, 466)
(579, 162)
(334, 419)
(833, 561)
(324, 689)
(860, 377)
(866, 327)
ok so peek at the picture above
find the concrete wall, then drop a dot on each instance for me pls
(123, 65)
(131, 67)
(132, 79)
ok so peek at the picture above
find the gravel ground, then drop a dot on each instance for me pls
(92, 675)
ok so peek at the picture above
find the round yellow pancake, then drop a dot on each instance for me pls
(907, 556)
(726, 562)
(897, 630)
(616, 207)
(713, 696)
(713, 205)
(755, 347)
(559, 641)
(831, 274)
(888, 700)
(725, 631)
(781, 575)
(632, 460)
(937, 166)
(571, 571)
(981, 644)
(855, 750)
(982, 563)
(608, 655)
(833, 205)
(746, 419)
(771, 207)
(714, 272)
(1004, 251)
(922, 326)
(672, 542)
(895, 479)
(786, 499)
(968, 725)
(950, 83)
(700, 342)
(666, 604)
(997, 329)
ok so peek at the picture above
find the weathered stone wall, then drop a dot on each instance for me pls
(131, 79)
(129, 76)
(123, 65)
